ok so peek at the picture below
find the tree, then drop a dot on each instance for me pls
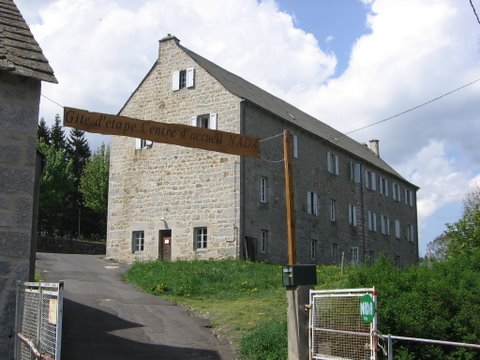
(56, 185)
(78, 150)
(43, 133)
(464, 235)
(57, 136)
(438, 248)
(471, 202)
(94, 183)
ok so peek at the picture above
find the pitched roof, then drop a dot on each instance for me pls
(252, 93)
(20, 54)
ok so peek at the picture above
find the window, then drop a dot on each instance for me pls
(370, 180)
(354, 255)
(183, 79)
(397, 229)
(383, 186)
(396, 192)
(371, 257)
(263, 189)
(143, 144)
(334, 253)
(312, 203)
(207, 121)
(354, 169)
(408, 197)
(410, 232)
(138, 241)
(263, 241)
(313, 249)
(295, 146)
(332, 163)
(385, 225)
(352, 215)
(200, 237)
(372, 221)
(333, 216)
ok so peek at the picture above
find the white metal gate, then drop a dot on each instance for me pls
(337, 330)
(38, 321)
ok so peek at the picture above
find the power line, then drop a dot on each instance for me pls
(474, 11)
(413, 108)
(53, 101)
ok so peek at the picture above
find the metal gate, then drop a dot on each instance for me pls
(38, 321)
(338, 330)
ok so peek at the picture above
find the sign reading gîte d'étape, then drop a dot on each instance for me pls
(177, 134)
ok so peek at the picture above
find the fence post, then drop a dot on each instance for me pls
(390, 347)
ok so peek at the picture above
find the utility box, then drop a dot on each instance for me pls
(295, 275)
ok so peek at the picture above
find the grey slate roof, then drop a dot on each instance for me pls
(20, 54)
(252, 93)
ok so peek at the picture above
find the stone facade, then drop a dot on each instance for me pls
(240, 201)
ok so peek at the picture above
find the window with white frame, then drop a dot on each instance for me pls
(370, 180)
(138, 241)
(383, 186)
(398, 233)
(352, 215)
(354, 260)
(143, 144)
(207, 121)
(333, 216)
(183, 79)
(313, 249)
(396, 192)
(334, 252)
(385, 225)
(410, 232)
(312, 203)
(332, 163)
(200, 238)
(354, 170)
(372, 221)
(295, 146)
(408, 197)
(263, 241)
(263, 189)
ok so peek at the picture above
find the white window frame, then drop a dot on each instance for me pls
(138, 241)
(200, 237)
(263, 241)
(333, 210)
(396, 192)
(332, 163)
(211, 121)
(370, 180)
(183, 79)
(408, 197)
(143, 144)
(263, 189)
(383, 186)
(372, 221)
(354, 260)
(410, 233)
(312, 203)
(398, 232)
(352, 215)
(385, 225)
(313, 249)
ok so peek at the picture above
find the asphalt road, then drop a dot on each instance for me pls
(105, 318)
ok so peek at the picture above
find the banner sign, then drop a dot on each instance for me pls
(183, 135)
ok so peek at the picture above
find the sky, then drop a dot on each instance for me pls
(349, 63)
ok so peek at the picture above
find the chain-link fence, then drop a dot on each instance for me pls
(38, 321)
(338, 328)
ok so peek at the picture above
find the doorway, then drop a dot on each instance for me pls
(165, 245)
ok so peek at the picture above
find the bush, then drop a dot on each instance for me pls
(266, 342)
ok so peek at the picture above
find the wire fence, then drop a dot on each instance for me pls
(38, 321)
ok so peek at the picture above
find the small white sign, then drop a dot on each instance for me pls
(52, 311)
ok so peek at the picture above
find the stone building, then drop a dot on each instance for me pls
(171, 202)
(22, 69)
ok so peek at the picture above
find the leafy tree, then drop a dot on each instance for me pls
(78, 150)
(438, 248)
(464, 235)
(43, 133)
(57, 136)
(94, 183)
(56, 185)
(472, 200)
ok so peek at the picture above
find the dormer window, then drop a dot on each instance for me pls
(183, 79)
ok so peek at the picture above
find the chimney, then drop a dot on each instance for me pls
(165, 40)
(374, 146)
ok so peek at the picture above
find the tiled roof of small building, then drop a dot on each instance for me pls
(252, 93)
(20, 54)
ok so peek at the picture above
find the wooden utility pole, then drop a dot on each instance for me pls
(287, 156)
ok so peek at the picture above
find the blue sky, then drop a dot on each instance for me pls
(349, 63)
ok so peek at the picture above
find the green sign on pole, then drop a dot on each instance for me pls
(367, 308)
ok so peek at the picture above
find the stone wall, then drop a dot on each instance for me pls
(19, 99)
(173, 187)
(69, 246)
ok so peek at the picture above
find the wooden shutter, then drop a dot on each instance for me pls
(329, 162)
(193, 121)
(357, 173)
(309, 202)
(138, 144)
(336, 165)
(190, 77)
(295, 146)
(176, 80)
